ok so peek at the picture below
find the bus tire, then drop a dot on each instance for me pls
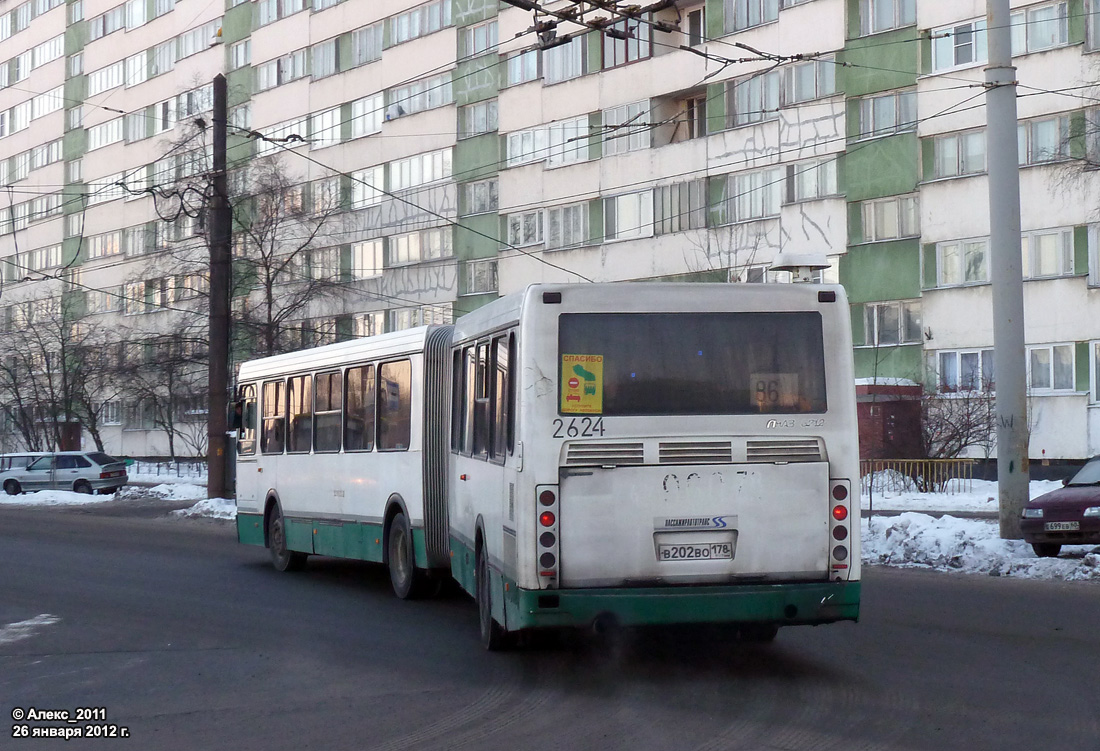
(493, 637)
(759, 633)
(281, 558)
(400, 559)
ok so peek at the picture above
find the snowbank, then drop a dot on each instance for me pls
(53, 498)
(211, 508)
(971, 546)
(981, 495)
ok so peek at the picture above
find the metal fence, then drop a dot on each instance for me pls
(194, 468)
(917, 475)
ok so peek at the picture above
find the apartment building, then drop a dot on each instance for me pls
(456, 153)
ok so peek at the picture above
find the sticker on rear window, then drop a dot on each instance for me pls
(582, 384)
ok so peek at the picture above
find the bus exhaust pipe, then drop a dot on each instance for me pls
(604, 625)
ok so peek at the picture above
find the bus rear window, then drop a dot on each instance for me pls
(691, 363)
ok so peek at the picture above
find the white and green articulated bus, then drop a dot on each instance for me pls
(580, 455)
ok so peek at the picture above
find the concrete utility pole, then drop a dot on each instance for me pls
(1007, 273)
(220, 225)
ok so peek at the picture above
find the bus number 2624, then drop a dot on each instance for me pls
(582, 427)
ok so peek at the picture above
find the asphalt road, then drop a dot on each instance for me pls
(191, 641)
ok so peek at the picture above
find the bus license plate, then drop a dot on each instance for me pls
(712, 551)
(1062, 526)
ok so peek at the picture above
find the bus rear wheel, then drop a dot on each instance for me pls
(400, 559)
(281, 558)
(493, 637)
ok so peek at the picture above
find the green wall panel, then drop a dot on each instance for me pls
(76, 36)
(716, 107)
(855, 223)
(716, 200)
(469, 303)
(74, 144)
(595, 221)
(467, 12)
(929, 274)
(927, 158)
(1077, 21)
(1080, 251)
(890, 362)
(238, 86)
(477, 236)
(859, 334)
(478, 157)
(1082, 364)
(715, 18)
(236, 24)
(882, 167)
(477, 79)
(595, 52)
(882, 271)
(881, 62)
(76, 88)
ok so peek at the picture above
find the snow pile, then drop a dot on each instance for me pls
(971, 546)
(183, 491)
(981, 495)
(53, 498)
(211, 508)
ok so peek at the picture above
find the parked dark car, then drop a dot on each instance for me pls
(1067, 516)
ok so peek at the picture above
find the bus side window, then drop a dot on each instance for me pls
(469, 392)
(501, 397)
(300, 411)
(481, 402)
(458, 403)
(246, 432)
(394, 405)
(273, 435)
(359, 409)
(326, 411)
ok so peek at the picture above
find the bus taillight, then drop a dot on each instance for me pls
(840, 513)
(547, 531)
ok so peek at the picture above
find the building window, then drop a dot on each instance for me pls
(966, 370)
(475, 119)
(480, 38)
(367, 187)
(366, 44)
(808, 181)
(366, 259)
(324, 128)
(481, 277)
(753, 99)
(890, 218)
(755, 195)
(525, 228)
(1047, 253)
(567, 141)
(326, 58)
(106, 78)
(425, 94)
(368, 324)
(480, 197)
(564, 61)
(1096, 372)
(962, 262)
(523, 67)
(883, 15)
(626, 128)
(1043, 140)
(566, 226)
(418, 22)
(366, 115)
(420, 169)
(110, 413)
(694, 25)
(958, 45)
(810, 80)
(628, 216)
(416, 247)
(892, 322)
(1039, 28)
(959, 154)
(887, 113)
(680, 207)
(622, 51)
(1092, 24)
(1051, 368)
(744, 14)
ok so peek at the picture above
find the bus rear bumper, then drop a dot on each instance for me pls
(806, 603)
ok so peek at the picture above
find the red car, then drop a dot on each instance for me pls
(1067, 516)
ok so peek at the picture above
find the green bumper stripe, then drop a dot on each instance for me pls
(809, 603)
(250, 529)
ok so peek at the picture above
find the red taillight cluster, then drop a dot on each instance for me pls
(838, 527)
(547, 535)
